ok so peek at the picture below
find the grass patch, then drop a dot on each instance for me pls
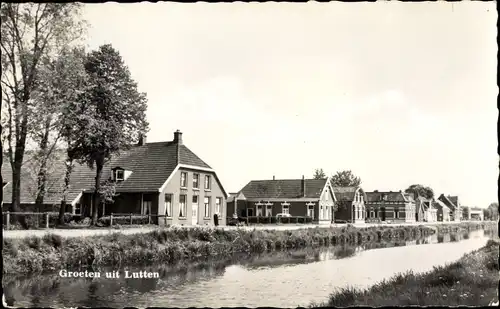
(471, 281)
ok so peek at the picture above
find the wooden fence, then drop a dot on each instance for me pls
(41, 218)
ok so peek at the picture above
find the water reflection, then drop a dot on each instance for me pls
(221, 283)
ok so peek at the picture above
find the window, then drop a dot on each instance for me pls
(78, 209)
(195, 204)
(285, 209)
(396, 213)
(119, 175)
(196, 181)
(146, 207)
(326, 194)
(372, 215)
(310, 211)
(168, 205)
(183, 179)
(218, 202)
(259, 210)
(182, 205)
(206, 202)
(207, 182)
(269, 210)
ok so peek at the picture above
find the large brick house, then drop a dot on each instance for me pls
(312, 198)
(453, 203)
(351, 204)
(162, 178)
(390, 206)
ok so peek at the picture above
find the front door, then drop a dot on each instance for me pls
(195, 214)
(382, 215)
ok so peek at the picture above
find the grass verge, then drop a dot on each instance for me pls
(471, 281)
(171, 245)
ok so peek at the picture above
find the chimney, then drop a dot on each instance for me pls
(274, 178)
(178, 137)
(303, 186)
(376, 191)
(142, 140)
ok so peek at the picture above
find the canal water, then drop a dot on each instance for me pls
(282, 279)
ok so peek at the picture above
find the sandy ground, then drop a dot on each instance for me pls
(137, 230)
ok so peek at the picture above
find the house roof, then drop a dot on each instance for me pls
(377, 196)
(447, 201)
(436, 203)
(151, 165)
(29, 172)
(283, 188)
(346, 193)
(453, 199)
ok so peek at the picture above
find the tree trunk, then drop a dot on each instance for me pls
(97, 197)
(42, 173)
(67, 178)
(16, 186)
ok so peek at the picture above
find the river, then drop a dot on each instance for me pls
(282, 279)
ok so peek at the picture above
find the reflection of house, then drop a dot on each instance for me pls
(425, 210)
(298, 197)
(351, 204)
(453, 204)
(443, 212)
(390, 206)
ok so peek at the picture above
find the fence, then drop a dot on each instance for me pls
(37, 219)
(131, 219)
(272, 219)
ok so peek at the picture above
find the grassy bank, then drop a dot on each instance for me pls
(465, 226)
(471, 281)
(171, 245)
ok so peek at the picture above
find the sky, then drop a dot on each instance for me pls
(399, 93)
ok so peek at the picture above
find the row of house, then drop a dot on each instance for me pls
(168, 179)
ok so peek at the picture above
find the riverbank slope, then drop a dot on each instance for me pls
(470, 281)
(171, 245)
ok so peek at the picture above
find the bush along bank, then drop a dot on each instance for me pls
(466, 226)
(170, 245)
(471, 281)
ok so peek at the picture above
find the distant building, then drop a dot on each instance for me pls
(351, 204)
(453, 203)
(425, 211)
(390, 206)
(443, 212)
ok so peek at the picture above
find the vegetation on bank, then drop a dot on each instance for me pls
(471, 281)
(170, 245)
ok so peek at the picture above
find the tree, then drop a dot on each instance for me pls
(30, 33)
(345, 179)
(491, 213)
(319, 174)
(116, 113)
(420, 190)
(73, 111)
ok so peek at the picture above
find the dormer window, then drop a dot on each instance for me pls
(119, 175)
